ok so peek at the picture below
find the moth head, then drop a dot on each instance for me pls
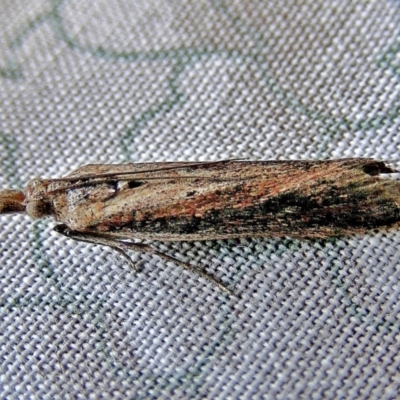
(39, 209)
(38, 203)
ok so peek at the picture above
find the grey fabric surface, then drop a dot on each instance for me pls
(116, 81)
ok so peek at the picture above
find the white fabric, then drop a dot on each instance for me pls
(152, 80)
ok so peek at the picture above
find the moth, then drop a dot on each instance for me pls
(121, 206)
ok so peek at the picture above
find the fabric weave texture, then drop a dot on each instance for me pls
(161, 80)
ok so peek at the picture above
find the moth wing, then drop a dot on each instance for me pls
(96, 170)
(100, 169)
(215, 169)
(193, 201)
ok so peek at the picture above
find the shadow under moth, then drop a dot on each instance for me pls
(121, 205)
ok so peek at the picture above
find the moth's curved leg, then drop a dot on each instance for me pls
(121, 246)
(143, 247)
(96, 239)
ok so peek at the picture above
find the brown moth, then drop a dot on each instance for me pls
(182, 201)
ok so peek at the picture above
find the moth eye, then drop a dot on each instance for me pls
(39, 209)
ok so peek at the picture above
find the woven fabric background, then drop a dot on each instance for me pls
(152, 80)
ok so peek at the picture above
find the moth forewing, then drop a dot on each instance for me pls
(200, 201)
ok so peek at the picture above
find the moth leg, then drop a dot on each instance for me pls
(121, 246)
(143, 247)
(96, 239)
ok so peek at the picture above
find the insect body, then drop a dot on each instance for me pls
(183, 201)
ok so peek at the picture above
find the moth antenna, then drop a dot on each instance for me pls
(12, 201)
